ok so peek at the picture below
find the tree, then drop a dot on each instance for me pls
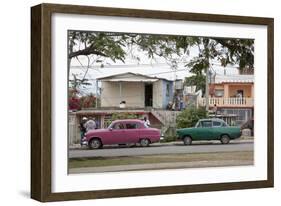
(114, 45)
(189, 117)
(117, 46)
(96, 43)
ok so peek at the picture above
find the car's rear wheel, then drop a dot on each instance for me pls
(95, 143)
(187, 140)
(225, 139)
(144, 142)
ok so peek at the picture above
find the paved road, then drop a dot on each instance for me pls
(174, 148)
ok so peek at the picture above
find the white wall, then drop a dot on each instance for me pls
(15, 103)
(131, 92)
(157, 94)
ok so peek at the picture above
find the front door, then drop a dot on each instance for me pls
(117, 134)
(204, 130)
(148, 95)
(132, 132)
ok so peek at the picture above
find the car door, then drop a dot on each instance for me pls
(132, 132)
(204, 130)
(217, 129)
(117, 133)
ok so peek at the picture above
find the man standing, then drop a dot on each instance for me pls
(146, 122)
(82, 128)
(90, 124)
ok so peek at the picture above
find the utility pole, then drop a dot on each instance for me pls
(97, 95)
(207, 90)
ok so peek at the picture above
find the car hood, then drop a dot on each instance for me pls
(96, 131)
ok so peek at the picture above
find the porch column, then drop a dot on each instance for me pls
(252, 91)
(226, 90)
(120, 91)
(102, 121)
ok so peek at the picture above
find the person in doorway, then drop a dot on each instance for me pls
(82, 128)
(146, 122)
(90, 124)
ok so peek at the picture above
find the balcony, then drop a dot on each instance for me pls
(227, 102)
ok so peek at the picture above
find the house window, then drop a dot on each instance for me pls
(219, 93)
(167, 90)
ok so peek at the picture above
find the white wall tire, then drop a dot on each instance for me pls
(187, 140)
(144, 142)
(225, 139)
(95, 143)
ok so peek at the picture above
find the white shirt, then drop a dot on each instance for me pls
(147, 123)
(90, 125)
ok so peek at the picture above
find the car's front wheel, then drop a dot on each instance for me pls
(144, 142)
(187, 140)
(225, 139)
(95, 143)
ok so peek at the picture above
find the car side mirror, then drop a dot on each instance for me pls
(110, 129)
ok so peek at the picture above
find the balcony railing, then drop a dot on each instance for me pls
(228, 102)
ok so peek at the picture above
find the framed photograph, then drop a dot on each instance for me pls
(130, 102)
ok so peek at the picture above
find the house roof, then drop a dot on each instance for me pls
(130, 77)
(234, 79)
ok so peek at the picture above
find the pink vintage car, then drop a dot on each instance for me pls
(127, 131)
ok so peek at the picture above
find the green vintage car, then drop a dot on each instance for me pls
(209, 129)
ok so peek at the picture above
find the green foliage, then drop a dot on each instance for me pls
(117, 116)
(104, 44)
(125, 115)
(115, 46)
(238, 51)
(190, 116)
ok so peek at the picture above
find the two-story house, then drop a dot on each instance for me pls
(232, 95)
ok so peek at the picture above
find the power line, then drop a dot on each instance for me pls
(151, 73)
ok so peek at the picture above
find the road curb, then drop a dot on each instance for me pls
(244, 140)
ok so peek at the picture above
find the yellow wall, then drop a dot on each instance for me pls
(246, 90)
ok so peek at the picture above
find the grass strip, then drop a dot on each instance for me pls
(150, 159)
